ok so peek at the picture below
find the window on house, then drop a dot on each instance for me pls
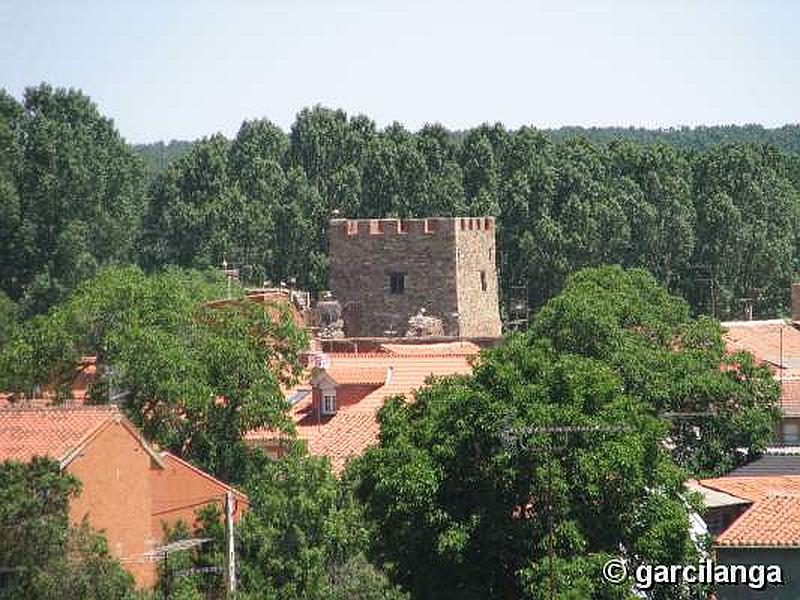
(791, 433)
(329, 403)
(397, 283)
(483, 281)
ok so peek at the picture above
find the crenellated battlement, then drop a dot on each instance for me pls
(427, 226)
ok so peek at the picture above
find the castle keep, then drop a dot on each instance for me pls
(384, 271)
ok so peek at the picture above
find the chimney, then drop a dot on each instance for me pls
(796, 302)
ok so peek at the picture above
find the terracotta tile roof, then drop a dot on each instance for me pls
(771, 522)
(755, 488)
(438, 349)
(356, 374)
(54, 432)
(776, 344)
(764, 340)
(354, 427)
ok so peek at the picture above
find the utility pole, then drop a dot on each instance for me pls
(231, 547)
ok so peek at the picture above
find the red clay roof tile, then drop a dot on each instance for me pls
(771, 522)
(54, 432)
(355, 374)
(354, 427)
(776, 344)
(438, 349)
(754, 488)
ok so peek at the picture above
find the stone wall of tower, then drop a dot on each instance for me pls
(440, 260)
(363, 255)
(476, 277)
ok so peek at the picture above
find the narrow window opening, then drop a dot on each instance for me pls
(483, 281)
(329, 403)
(397, 283)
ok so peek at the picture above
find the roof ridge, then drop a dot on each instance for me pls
(19, 406)
(780, 494)
(205, 474)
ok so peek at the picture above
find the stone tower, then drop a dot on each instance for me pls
(384, 271)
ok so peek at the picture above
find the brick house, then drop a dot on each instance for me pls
(128, 488)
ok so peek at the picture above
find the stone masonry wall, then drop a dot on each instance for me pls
(441, 258)
(365, 252)
(479, 314)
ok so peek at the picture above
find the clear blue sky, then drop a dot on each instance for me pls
(184, 69)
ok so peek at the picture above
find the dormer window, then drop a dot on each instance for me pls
(329, 402)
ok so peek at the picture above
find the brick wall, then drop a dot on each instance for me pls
(364, 253)
(180, 490)
(116, 496)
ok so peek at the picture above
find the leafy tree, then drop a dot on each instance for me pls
(41, 554)
(185, 574)
(189, 214)
(71, 193)
(747, 215)
(654, 185)
(304, 535)
(158, 155)
(700, 138)
(669, 361)
(9, 317)
(468, 492)
(192, 376)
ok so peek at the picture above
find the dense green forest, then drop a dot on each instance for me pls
(711, 215)
(787, 138)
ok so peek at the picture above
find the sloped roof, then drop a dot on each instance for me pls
(438, 349)
(772, 522)
(755, 488)
(775, 343)
(774, 462)
(715, 498)
(356, 374)
(58, 432)
(354, 427)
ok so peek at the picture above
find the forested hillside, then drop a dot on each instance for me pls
(785, 138)
(158, 156)
(714, 222)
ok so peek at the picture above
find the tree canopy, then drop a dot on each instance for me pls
(463, 513)
(719, 403)
(41, 555)
(193, 377)
(576, 436)
(71, 194)
(710, 212)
